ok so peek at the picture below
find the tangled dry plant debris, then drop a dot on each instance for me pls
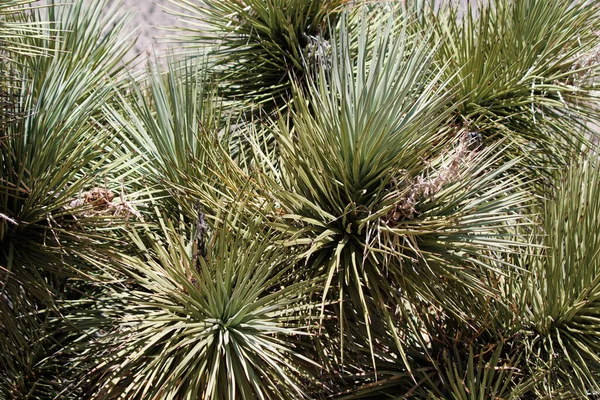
(588, 59)
(100, 202)
(428, 184)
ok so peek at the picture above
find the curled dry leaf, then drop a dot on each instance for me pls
(99, 198)
(100, 201)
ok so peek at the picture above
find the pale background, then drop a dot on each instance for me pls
(150, 17)
(147, 22)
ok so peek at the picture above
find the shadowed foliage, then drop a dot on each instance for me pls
(52, 150)
(260, 47)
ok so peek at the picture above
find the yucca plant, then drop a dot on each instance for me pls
(174, 122)
(371, 237)
(465, 374)
(260, 47)
(522, 69)
(558, 299)
(35, 364)
(478, 354)
(14, 27)
(487, 374)
(56, 151)
(219, 324)
(540, 340)
(60, 139)
(52, 154)
(390, 203)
